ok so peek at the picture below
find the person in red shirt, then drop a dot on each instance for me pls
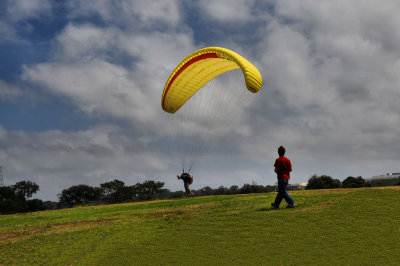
(283, 167)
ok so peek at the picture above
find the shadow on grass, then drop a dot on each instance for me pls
(266, 209)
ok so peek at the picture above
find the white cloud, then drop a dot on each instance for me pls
(81, 70)
(160, 10)
(228, 11)
(348, 59)
(158, 50)
(9, 91)
(20, 10)
(95, 86)
(57, 160)
(329, 77)
(142, 12)
(16, 15)
(77, 42)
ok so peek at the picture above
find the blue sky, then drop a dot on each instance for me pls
(81, 84)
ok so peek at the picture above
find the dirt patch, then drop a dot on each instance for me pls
(391, 187)
(325, 191)
(75, 226)
(234, 212)
(168, 212)
(56, 228)
(11, 235)
(202, 205)
(339, 190)
(80, 223)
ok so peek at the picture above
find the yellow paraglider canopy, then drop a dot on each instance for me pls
(199, 68)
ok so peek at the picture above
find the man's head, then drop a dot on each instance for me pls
(281, 151)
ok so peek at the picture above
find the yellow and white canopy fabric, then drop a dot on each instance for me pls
(199, 68)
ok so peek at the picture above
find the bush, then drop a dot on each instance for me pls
(177, 194)
(35, 205)
(79, 195)
(368, 184)
(353, 182)
(323, 182)
(254, 188)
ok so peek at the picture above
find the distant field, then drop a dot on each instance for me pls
(339, 226)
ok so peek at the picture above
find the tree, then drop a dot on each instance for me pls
(8, 200)
(353, 182)
(35, 205)
(315, 183)
(369, 184)
(221, 191)
(115, 191)
(78, 195)
(15, 198)
(205, 191)
(177, 194)
(51, 205)
(7, 193)
(246, 189)
(147, 190)
(253, 188)
(233, 190)
(323, 182)
(25, 189)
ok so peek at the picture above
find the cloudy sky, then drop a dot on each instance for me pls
(81, 85)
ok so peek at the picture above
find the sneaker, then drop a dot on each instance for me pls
(274, 206)
(291, 205)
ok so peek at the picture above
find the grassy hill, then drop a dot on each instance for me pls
(339, 226)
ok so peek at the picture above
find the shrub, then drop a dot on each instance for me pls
(323, 182)
(353, 182)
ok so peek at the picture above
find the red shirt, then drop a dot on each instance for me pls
(283, 167)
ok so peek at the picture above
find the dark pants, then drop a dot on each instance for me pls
(186, 185)
(282, 193)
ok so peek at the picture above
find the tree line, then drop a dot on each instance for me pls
(110, 192)
(116, 192)
(327, 182)
(16, 198)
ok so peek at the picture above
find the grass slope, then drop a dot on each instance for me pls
(341, 226)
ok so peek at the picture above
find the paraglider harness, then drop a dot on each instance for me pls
(187, 178)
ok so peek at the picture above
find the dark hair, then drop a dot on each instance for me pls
(281, 151)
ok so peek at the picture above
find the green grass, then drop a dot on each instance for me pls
(341, 226)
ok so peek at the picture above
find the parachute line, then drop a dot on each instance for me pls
(207, 117)
(202, 118)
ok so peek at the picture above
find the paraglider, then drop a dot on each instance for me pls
(197, 116)
(199, 68)
(187, 180)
